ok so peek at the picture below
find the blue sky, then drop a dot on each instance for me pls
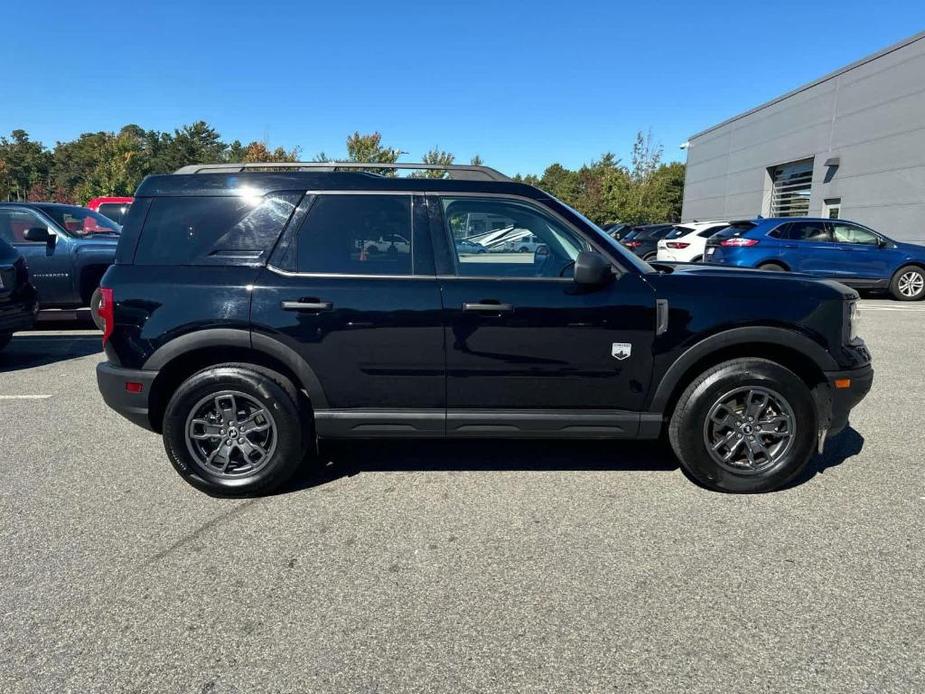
(521, 84)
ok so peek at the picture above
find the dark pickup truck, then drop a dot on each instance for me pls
(67, 249)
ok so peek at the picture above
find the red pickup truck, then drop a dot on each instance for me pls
(113, 207)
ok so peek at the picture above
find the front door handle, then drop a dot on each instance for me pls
(488, 307)
(307, 305)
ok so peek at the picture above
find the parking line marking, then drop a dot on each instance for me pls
(24, 397)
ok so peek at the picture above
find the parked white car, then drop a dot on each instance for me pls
(687, 242)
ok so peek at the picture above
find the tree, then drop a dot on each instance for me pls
(198, 143)
(259, 152)
(369, 148)
(438, 157)
(26, 166)
(477, 161)
(121, 166)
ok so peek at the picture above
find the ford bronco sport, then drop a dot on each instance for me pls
(245, 318)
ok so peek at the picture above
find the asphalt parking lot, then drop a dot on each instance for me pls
(456, 567)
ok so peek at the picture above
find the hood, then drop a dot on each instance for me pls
(912, 249)
(740, 281)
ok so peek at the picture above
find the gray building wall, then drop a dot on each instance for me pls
(871, 115)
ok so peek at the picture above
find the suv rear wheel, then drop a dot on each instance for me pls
(908, 284)
(772, 267)
(747, 425)
(234, 429)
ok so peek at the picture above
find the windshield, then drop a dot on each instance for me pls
(605, 238)
(678, 232)
(80, 220)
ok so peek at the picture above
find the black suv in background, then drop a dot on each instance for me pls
(17, 295)
(245, 318)
(643, 240)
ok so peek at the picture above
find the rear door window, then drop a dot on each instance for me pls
(213, 230)
(356, 235)
(812, 232)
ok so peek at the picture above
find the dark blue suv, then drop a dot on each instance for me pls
(833, 248)
(253, 310)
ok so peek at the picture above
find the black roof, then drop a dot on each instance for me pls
(260, 183)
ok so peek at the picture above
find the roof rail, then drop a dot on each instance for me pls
(454, 171)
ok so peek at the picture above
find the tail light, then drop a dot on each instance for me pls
(107, 312)
(677, 244)
(738, 242)
(632, 244)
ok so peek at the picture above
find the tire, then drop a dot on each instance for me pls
(650, 257)
(697, 259)
(253, 389)
(908, 283)
(772, 267)
(95, 300)
(5, 340)
(790, 403)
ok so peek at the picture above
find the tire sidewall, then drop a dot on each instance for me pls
(697, 460)
(288, 451)
(894, 283)
(95, 300)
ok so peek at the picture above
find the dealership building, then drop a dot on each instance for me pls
(849, 145)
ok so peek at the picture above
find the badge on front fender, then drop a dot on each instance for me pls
(621, 350)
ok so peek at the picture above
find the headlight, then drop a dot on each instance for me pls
(854, 320)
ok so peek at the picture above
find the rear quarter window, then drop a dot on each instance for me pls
(213, 230)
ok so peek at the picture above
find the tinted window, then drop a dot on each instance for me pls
(708, 232)
(523, 242)
(678, 232)
(849, 233)
(13, 224)
(213, 230)
(805, 231)
(356, 235)
(115, 211)
(80, 220)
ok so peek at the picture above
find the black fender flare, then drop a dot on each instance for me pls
(766, 335)
(243, 339)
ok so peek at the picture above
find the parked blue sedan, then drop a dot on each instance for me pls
(833, 248)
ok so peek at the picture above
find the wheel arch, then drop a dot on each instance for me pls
(774, 261)
(786, 347)
(182, 357)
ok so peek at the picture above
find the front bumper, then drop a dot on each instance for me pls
(847, 389)
(133, 406)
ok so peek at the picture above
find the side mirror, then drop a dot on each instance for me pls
(38, 235)
(592, 269)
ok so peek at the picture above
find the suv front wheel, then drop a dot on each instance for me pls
(747, 425)
(908, 284)
(234, 429)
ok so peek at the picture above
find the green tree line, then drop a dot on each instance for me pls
(113, 163)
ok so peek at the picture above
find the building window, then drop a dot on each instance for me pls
(832, 208)
(791, 188)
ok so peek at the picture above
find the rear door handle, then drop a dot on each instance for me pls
(306, 305)
(488, 307)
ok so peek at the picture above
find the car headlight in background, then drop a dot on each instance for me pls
(854, 320)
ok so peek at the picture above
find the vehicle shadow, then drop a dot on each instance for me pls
(29, 351)
(341, 459)
(838, 449)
